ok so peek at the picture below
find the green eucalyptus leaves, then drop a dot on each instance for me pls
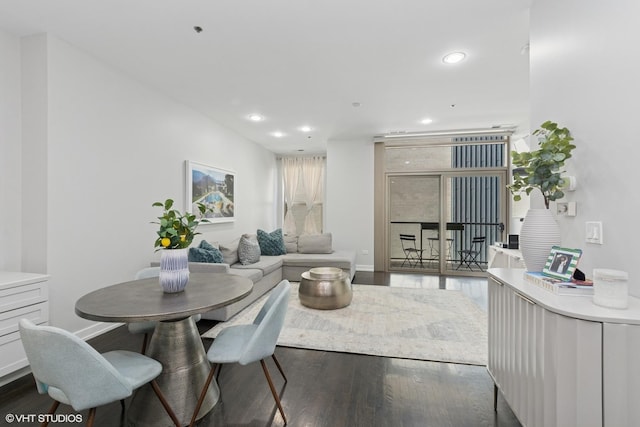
(541, 169)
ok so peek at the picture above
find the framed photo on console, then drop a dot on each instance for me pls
(562, 263)
(212, 187)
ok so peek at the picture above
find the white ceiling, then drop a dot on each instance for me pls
(300, 62)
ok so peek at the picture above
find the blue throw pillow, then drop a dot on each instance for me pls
(271, 243)
(207, 246)
(205, 252)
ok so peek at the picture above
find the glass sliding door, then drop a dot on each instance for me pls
(475, 214)
(473, 208)
(414, 220)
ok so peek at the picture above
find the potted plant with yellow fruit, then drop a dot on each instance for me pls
(175, 234)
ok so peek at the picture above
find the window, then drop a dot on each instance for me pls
(303, 182)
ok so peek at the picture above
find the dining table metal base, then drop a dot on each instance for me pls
(178, 346)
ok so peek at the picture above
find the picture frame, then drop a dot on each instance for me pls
(562, 263)
(213, 187)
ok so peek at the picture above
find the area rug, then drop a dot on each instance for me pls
(422, 324)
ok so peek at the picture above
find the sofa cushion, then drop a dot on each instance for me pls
(271, 243)
(260, 287)
(248, 250)
(315, 244)
(207, 267)
(293, 265)
(253, 274)
(267, 264)
(205, 252)
(338, 259)
(230, 252)
(291, 244)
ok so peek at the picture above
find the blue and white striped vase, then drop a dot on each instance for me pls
(174, 270)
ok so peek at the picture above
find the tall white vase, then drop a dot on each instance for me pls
(174, 270)
(539, 233)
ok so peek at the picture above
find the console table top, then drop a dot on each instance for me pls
(576, 306)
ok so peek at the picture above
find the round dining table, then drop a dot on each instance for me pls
(175, 343)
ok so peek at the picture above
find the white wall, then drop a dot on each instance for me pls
(10, 153)
(113, 147)
(350, 197)
(584, 75)
(34, 166)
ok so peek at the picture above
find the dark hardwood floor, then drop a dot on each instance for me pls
(324, 389)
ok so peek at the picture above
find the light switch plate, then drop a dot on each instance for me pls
(593, 230)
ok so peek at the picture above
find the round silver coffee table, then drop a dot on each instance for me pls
(325, 288)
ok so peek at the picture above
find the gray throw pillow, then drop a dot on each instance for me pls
(248, 250)
(230, 252)
(291, 244)
(315, 244)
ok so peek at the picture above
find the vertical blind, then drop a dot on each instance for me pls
(476, 199)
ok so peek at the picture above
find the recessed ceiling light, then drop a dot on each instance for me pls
(278, 134)
(426, 121)
(256, 117)
(305, 128)
(453, 57)
(356, 104)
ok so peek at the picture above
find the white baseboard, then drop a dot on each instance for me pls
(364, 268)
(15, 375)
(95, 330)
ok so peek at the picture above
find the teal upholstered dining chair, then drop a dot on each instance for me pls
(148, 327)
(74, 373)
(246, 344)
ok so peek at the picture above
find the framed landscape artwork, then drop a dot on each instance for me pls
(212, 187)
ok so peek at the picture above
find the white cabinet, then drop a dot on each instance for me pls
(21, 295)
(561, 360)
(621, 348)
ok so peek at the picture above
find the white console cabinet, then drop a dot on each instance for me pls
(561, 360)
(21, 295)
(503, 257)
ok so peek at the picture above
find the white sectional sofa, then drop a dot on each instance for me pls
(271, 269)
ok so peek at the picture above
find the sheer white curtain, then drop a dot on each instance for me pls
(312, 178)
(291, 167)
